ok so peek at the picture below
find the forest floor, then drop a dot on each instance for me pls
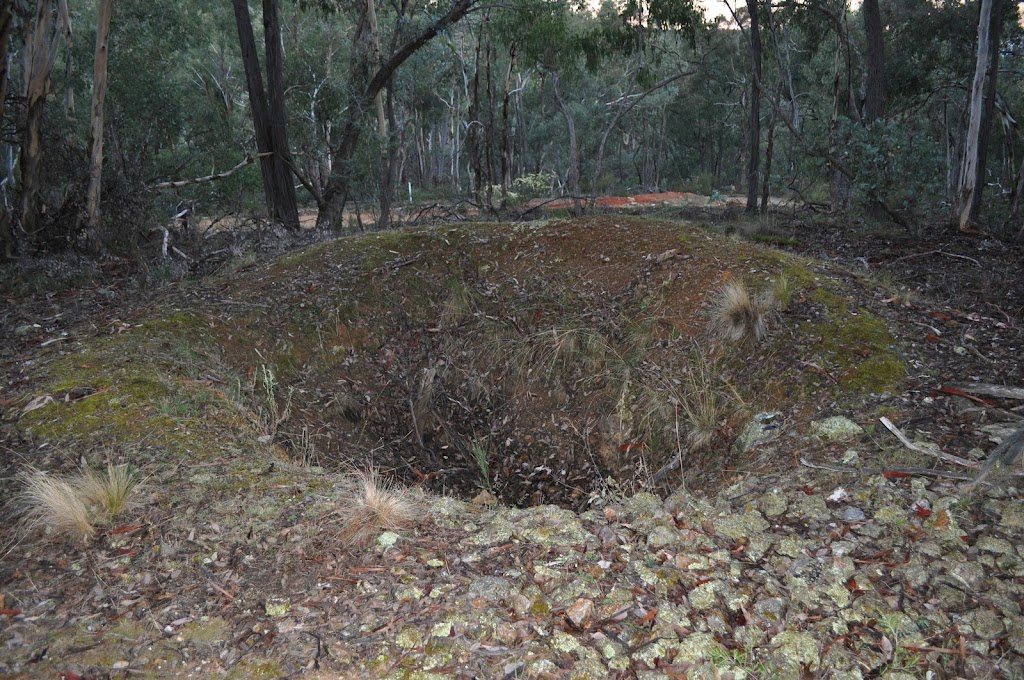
(536, 384)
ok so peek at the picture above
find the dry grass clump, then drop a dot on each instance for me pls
(72, 506)
(112, 493)
(54, 503)
(736, 314)
(703, 402)
(369, 505)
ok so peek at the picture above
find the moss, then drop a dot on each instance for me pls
(857, 349)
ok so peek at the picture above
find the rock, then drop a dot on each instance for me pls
(774, 504)
(835, 429)
(764, 427)
(662, 536)
(580, 612)
(748, 525)
(852, 514)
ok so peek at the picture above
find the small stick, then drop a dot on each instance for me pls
(914, 447)
(881, 471)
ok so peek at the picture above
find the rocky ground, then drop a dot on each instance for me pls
(814, 545)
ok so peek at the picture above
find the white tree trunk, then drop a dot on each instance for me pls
(969, 167)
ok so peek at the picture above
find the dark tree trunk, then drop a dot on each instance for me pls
(874, 90)
(755, 107)
(257, 103)
(285, 207)
(336, 193)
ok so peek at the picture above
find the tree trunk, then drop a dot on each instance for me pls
(99, 92)
(286, 208)
(989, 107)
(40, 52)
(574, 152)
(336, 193)
(755, 107)
(969, 168)
(6, 233)
(769, 148)
(257, 104)
(874, 90)
(506, 128)
(389, 176)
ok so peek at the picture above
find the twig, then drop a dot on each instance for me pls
(936, 252)
(1005, 454)
(931, 452)
(882, 471)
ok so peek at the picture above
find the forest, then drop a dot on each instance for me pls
(117, 118)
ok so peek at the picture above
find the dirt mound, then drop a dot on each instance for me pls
(540, 361)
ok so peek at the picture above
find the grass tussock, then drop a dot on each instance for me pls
(369, 505)
(72, 506)
(737, 314)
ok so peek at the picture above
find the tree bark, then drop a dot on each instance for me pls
(989, 106)
(969, 168)
(257, 103)
(336, 192)
(6, 233)
(389, 176)
(574, 151)
(99, 92)
(753, 168)
(285, 206)
(874, 89)
(40, 52)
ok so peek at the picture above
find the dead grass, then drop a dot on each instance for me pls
(369, 505)
(55, 503)
(703, 402)
(73, 505)
(112, 493)
(737, 314)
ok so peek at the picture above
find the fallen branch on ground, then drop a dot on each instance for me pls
(1004, 455)
(888, 472)
(931, 452)
(988, 390)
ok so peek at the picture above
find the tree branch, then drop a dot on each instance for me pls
(160, 186)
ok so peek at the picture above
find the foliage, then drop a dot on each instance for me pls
(893, 163)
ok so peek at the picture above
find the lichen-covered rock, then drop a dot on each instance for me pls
(762, 428)
(835, 429)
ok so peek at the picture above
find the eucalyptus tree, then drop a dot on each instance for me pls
(366, 81)
(270, 120)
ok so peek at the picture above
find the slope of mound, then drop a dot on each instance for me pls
(541, 362)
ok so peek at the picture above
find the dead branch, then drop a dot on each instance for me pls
(937, 252)
(1004, 455)
(988, 390)
(929, 451)
(928, 472)
(160, 186)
